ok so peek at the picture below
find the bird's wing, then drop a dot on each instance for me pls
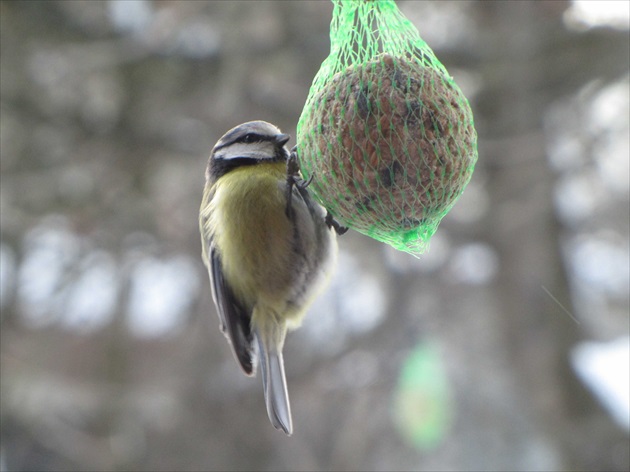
(235, 320)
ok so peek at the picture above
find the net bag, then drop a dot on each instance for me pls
(385, 134)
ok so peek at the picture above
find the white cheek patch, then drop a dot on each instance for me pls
(261, 150)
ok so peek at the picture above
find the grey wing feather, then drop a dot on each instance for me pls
(234, 318)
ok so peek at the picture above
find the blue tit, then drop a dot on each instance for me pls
(269, 250)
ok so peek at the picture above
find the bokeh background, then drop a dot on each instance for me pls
(505, 347)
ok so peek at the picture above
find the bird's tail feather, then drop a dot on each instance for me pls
(275, 385)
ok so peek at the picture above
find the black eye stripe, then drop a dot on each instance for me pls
(248, 138)
(253, 138)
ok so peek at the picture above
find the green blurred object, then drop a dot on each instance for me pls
(386, 135)
(422, 403)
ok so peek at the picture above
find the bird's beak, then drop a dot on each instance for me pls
(281, 139)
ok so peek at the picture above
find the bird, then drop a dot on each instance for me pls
(269, 248)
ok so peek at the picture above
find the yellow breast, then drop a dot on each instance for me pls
(251, 229)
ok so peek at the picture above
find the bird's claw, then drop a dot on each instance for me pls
(331, 222)
(294, 179)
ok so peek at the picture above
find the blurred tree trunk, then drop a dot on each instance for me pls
(522, 225)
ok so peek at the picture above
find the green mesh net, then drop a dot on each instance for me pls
(386, 135)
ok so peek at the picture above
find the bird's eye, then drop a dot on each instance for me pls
(249, 138)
